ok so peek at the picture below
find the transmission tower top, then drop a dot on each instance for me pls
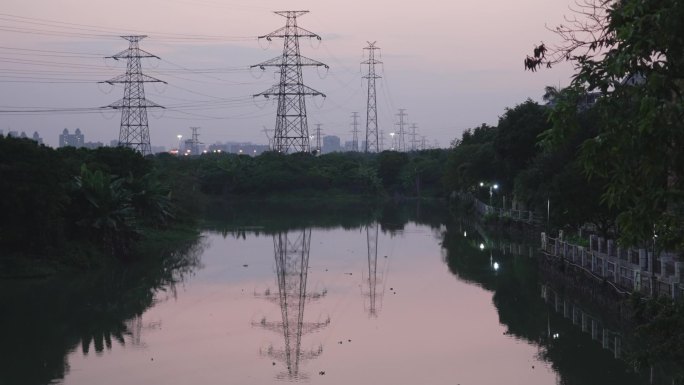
(290, 13)
(135, 38)
(372, 138)
(134, 130)
(291, 132)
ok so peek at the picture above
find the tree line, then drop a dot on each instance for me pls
(77, 206)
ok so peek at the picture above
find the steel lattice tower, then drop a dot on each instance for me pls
(291, 129)
(355, 131)
(292, 266)
(194, 142)
(413, 134)
(134, 132)
(401, 142)
(319, 149)
(371, 107)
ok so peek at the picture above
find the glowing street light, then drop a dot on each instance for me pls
(492, 187)
(179, 136)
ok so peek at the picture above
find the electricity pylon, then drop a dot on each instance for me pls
(292, 266)
(319, 149)
(371, 106)
(413, 134)
(194, 142)
(372, 280)
(134, 132)
(401, 141)
(291, 129)
(355, 131)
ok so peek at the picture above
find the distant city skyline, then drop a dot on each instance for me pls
(452, 66)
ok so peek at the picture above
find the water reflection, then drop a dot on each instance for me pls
(567, 343)
(291, 253)
(372, 280)
(589, 324)
(43, 321)
(508, 325)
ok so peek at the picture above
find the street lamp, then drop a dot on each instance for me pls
(392, 136)
(179, 136)
(492, 187)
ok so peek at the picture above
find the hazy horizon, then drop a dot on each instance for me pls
(452, 66)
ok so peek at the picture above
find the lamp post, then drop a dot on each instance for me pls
(179, 136)
(492, 187)
(392, 136)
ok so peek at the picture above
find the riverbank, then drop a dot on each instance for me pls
(88, 257)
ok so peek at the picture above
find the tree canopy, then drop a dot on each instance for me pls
(631, 53)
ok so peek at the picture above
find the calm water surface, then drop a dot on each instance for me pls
(369, 304)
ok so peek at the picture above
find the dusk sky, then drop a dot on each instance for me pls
(451, 64)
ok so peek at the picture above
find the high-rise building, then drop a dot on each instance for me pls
(76, 139)
(37, 137)
(331, 143)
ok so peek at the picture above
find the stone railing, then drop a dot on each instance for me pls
(626, 268)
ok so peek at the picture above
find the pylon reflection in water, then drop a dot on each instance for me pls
(292, 264)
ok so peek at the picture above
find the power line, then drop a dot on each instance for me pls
(102, 32)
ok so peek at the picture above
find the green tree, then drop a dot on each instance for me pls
(632, 53)
(32, 198)
(472, 159)
(516, 140)
(104, 211)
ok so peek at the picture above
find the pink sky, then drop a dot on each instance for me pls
(451, 65)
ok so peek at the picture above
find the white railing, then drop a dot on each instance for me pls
(626, 269)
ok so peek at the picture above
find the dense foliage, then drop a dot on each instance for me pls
(272, 175)
(75, 205)
(631, 54)
(533, 171)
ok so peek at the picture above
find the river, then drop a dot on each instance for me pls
(395, 295)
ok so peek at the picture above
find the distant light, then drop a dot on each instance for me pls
(481, 184)
(465, 234)
(219, 150)
(556, 335)
(496, 186)
(481, 246)
(205, 151)
(496, 266)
